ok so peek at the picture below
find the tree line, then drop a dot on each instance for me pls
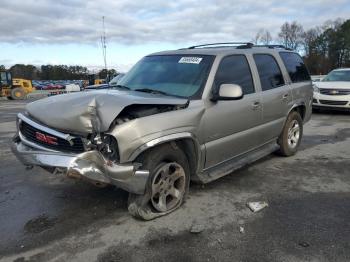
(55, 72)
(323, 48)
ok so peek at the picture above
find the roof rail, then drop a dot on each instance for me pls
(239, 45)
(274, 46)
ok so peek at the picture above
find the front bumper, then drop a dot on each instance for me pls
(331, 101)
(90, 165)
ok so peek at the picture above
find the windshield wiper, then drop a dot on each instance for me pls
(121, 87)
(152, 91)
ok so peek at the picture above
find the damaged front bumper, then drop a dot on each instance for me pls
(90, 165)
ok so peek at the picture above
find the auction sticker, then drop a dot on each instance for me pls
(190, 60)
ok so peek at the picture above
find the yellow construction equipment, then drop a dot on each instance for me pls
(99, 81)
(15, 88)
(94, 80)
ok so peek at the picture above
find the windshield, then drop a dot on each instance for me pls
(178, 75)
(115, 80)
(338, 75)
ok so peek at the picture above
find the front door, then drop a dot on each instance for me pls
(231, 126)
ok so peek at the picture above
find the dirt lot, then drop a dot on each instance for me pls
(51, 218)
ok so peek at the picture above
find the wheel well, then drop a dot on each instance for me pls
(187, 146)
(301, 110)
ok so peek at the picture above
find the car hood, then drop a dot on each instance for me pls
(333, 85)
(94, 111)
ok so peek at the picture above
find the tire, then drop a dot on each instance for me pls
(168, 182)
(17, 93)
(291, 135)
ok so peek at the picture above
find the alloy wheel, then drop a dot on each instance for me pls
(293, 134)
(168, 187)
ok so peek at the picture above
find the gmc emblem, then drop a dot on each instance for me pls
(46, 139)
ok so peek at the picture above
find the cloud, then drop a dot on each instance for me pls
(139, 21)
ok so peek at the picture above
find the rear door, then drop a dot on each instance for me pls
(276, 95)
(300, 81)
(230, 126)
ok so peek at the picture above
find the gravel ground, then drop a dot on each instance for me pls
(51, 218)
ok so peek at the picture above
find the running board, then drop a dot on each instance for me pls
(227, 167)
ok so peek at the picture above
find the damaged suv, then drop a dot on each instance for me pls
(192, 114)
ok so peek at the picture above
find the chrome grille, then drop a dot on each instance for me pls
(335, 92)
(62, 145)
(334, 103)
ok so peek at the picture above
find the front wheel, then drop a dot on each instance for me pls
(167, 185)
(18, 93)
(291, 135)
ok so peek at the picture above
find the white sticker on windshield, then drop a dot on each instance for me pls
(190, 60)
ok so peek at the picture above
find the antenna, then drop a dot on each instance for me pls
(103, 43)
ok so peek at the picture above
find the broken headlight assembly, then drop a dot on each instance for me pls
(107, 145)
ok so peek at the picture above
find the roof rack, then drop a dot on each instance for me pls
(274, 46)
(239, 44)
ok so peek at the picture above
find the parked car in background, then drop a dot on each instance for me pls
(192, 114)
(112, 83)
(317, 78)
(54, 84)
(333, 91)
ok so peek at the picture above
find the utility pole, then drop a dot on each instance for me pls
(104, 47)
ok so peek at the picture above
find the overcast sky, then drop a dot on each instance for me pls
(68, 31)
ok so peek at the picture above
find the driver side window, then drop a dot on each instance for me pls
(235, 69)
(3, 78)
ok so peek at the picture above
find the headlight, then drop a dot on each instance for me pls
(316, 89)
(107, 145)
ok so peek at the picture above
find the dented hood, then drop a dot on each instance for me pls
(94, 111)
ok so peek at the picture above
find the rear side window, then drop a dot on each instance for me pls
(295, 67)
(269, 72)
(235, 70)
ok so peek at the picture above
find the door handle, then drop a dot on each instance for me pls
(256, 105)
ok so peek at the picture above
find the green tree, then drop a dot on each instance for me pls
(24, 71)
(103, 73)
(328, 47)
(63, 72)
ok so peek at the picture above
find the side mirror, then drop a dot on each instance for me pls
(228, 92)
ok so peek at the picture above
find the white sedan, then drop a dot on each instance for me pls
(333, 91)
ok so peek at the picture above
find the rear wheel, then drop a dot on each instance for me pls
(17, 93)
(167, 185)
(292, 133)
